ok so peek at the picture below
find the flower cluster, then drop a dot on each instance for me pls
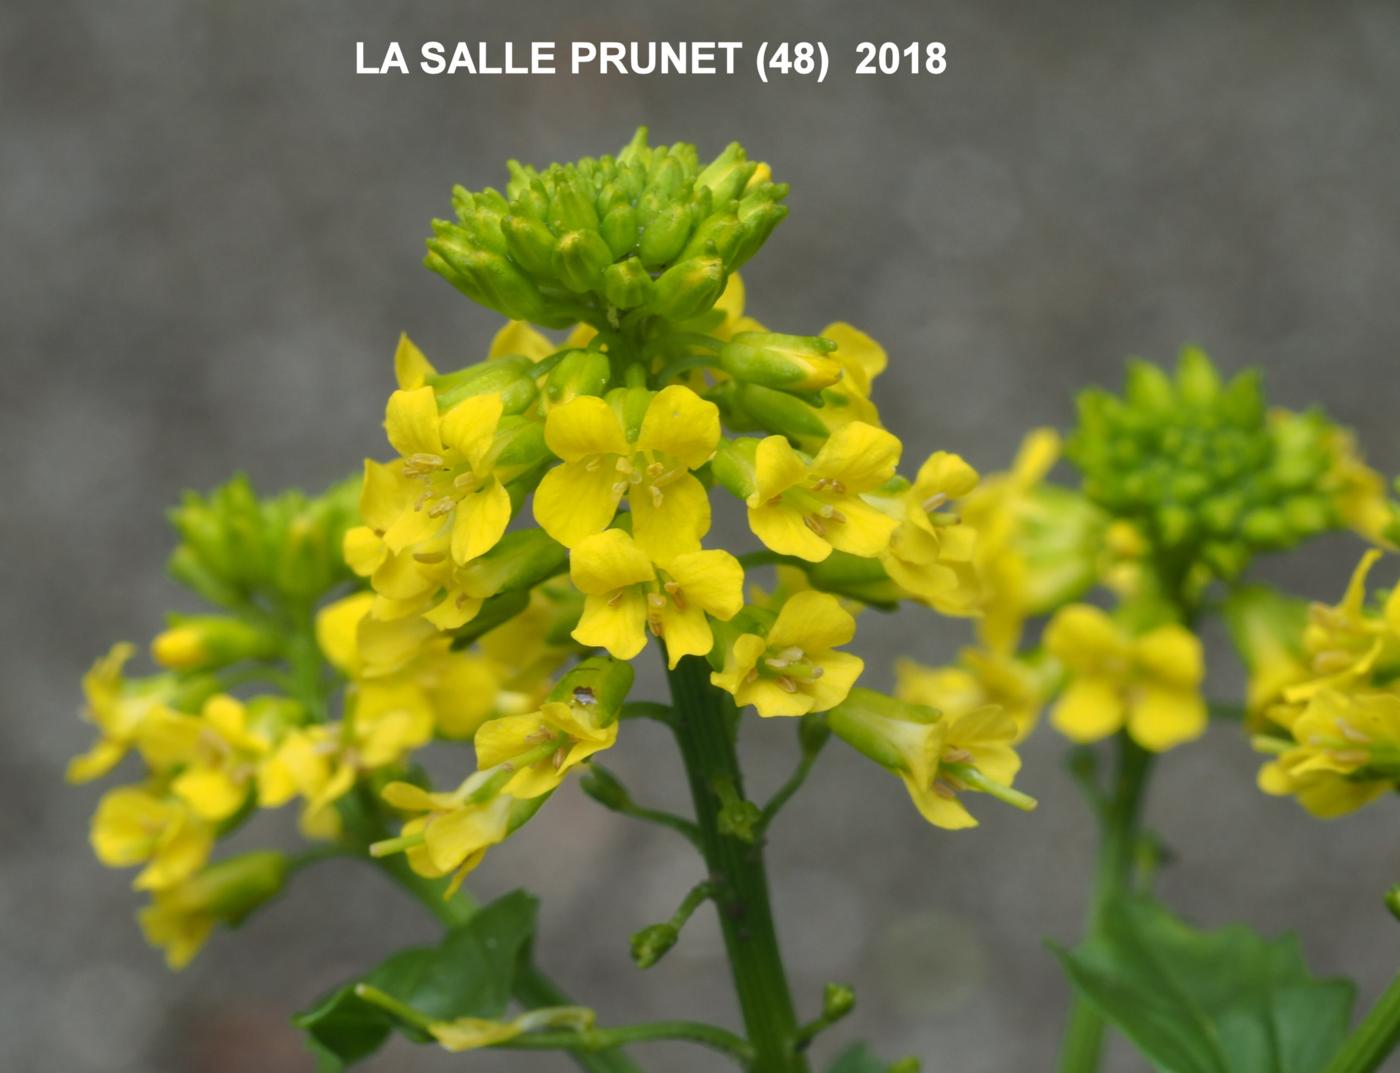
(1325, 694)
(544, 516)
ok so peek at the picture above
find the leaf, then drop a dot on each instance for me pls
(469, 974)
(1227, 1001)
(858, 1058)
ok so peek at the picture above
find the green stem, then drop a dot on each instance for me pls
(705, 720)
(1119, 835)
(1372, 1041)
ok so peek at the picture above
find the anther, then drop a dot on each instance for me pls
(787, 683)
(811, 522)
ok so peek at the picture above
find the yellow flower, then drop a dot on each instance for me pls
(135, 825)
(471, 1033)
(998, 510)
(794, 669)
(405, 680)
(1149, 683)
(181, 917)
(931, 553)
(119, 708)
(670, 508)
(1335, 737)
(937, 755)
(806, 508)
(981, 677)
(456, 830)
(1345, 643)
(452, 459)
(1358, 492)
(573, 731)
(625, 594)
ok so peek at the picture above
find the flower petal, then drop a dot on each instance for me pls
(573, 501)
(617, 625)
(584, 426)
(782, 529)
(1089, 709)
(673, 523)
(470, 426)
(608, 561)
(1161, 718)
(681, 424)
(813, 621)
(861, 357)
(411, 421)
(711, 580)
(481, 520)
(860, 456)
(777, 467)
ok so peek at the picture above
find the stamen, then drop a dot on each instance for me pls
(810, 520)
(943, 790)
(656, 496)
(792, 653)
(429, 557)
(465, 480)
(787, 683)
(623, 465)
(416, 465)
(1351, 756)
(933, 502)
(441, 507)
(673, 589)
(619, 487)
(616, 597)
(656, 469)
(560, 755)
(656, 600)
(1351, 733)
(776, 664)
(594, 464)
(956, 755)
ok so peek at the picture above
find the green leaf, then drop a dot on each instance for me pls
(469, 974)
(1227, 1001)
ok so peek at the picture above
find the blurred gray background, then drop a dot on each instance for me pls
(211, 231)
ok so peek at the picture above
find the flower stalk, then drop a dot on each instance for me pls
(704, 731)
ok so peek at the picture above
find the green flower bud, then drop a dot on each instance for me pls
(813, 733)
(879, 726)
(718, 235)
(580, 258)
(1196, 377)
(492, 280)
(531, 244)
(231, 889)
(861, 579)
(665, 235)
(837, 1001)
(1392, 901)
(772, 359)
(521, 560)
(570, 207)
(619, 229)
(728, 174)
(752, 407)
(756, 224)
(733, 466)
(520, 446)
(906, 1065)
(628, 285)
(690, 288)
(512, 378)
(598, 683)
(603, 786)
(652, 943)
(579, 372)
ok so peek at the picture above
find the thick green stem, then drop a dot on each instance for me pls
(705, 720)
(1373, 1040)
(1119, 835)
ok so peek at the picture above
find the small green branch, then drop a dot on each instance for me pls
(1374, 1039)
(812, 745)
(837, 1001)
(594, 1040)
(606, 788)
(648, 709)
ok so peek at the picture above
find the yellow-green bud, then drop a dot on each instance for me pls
(837, 1001)
(571, 209)
(665, 235)
(652, 943)
(690, 288)
(580, 258)
(718, 235)
(619, 229)
(531, 245)
(603, 786)
(233, 888)
(789, 362)
(769, 410)
(628, 284)
(210, 641)
(728, 174)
